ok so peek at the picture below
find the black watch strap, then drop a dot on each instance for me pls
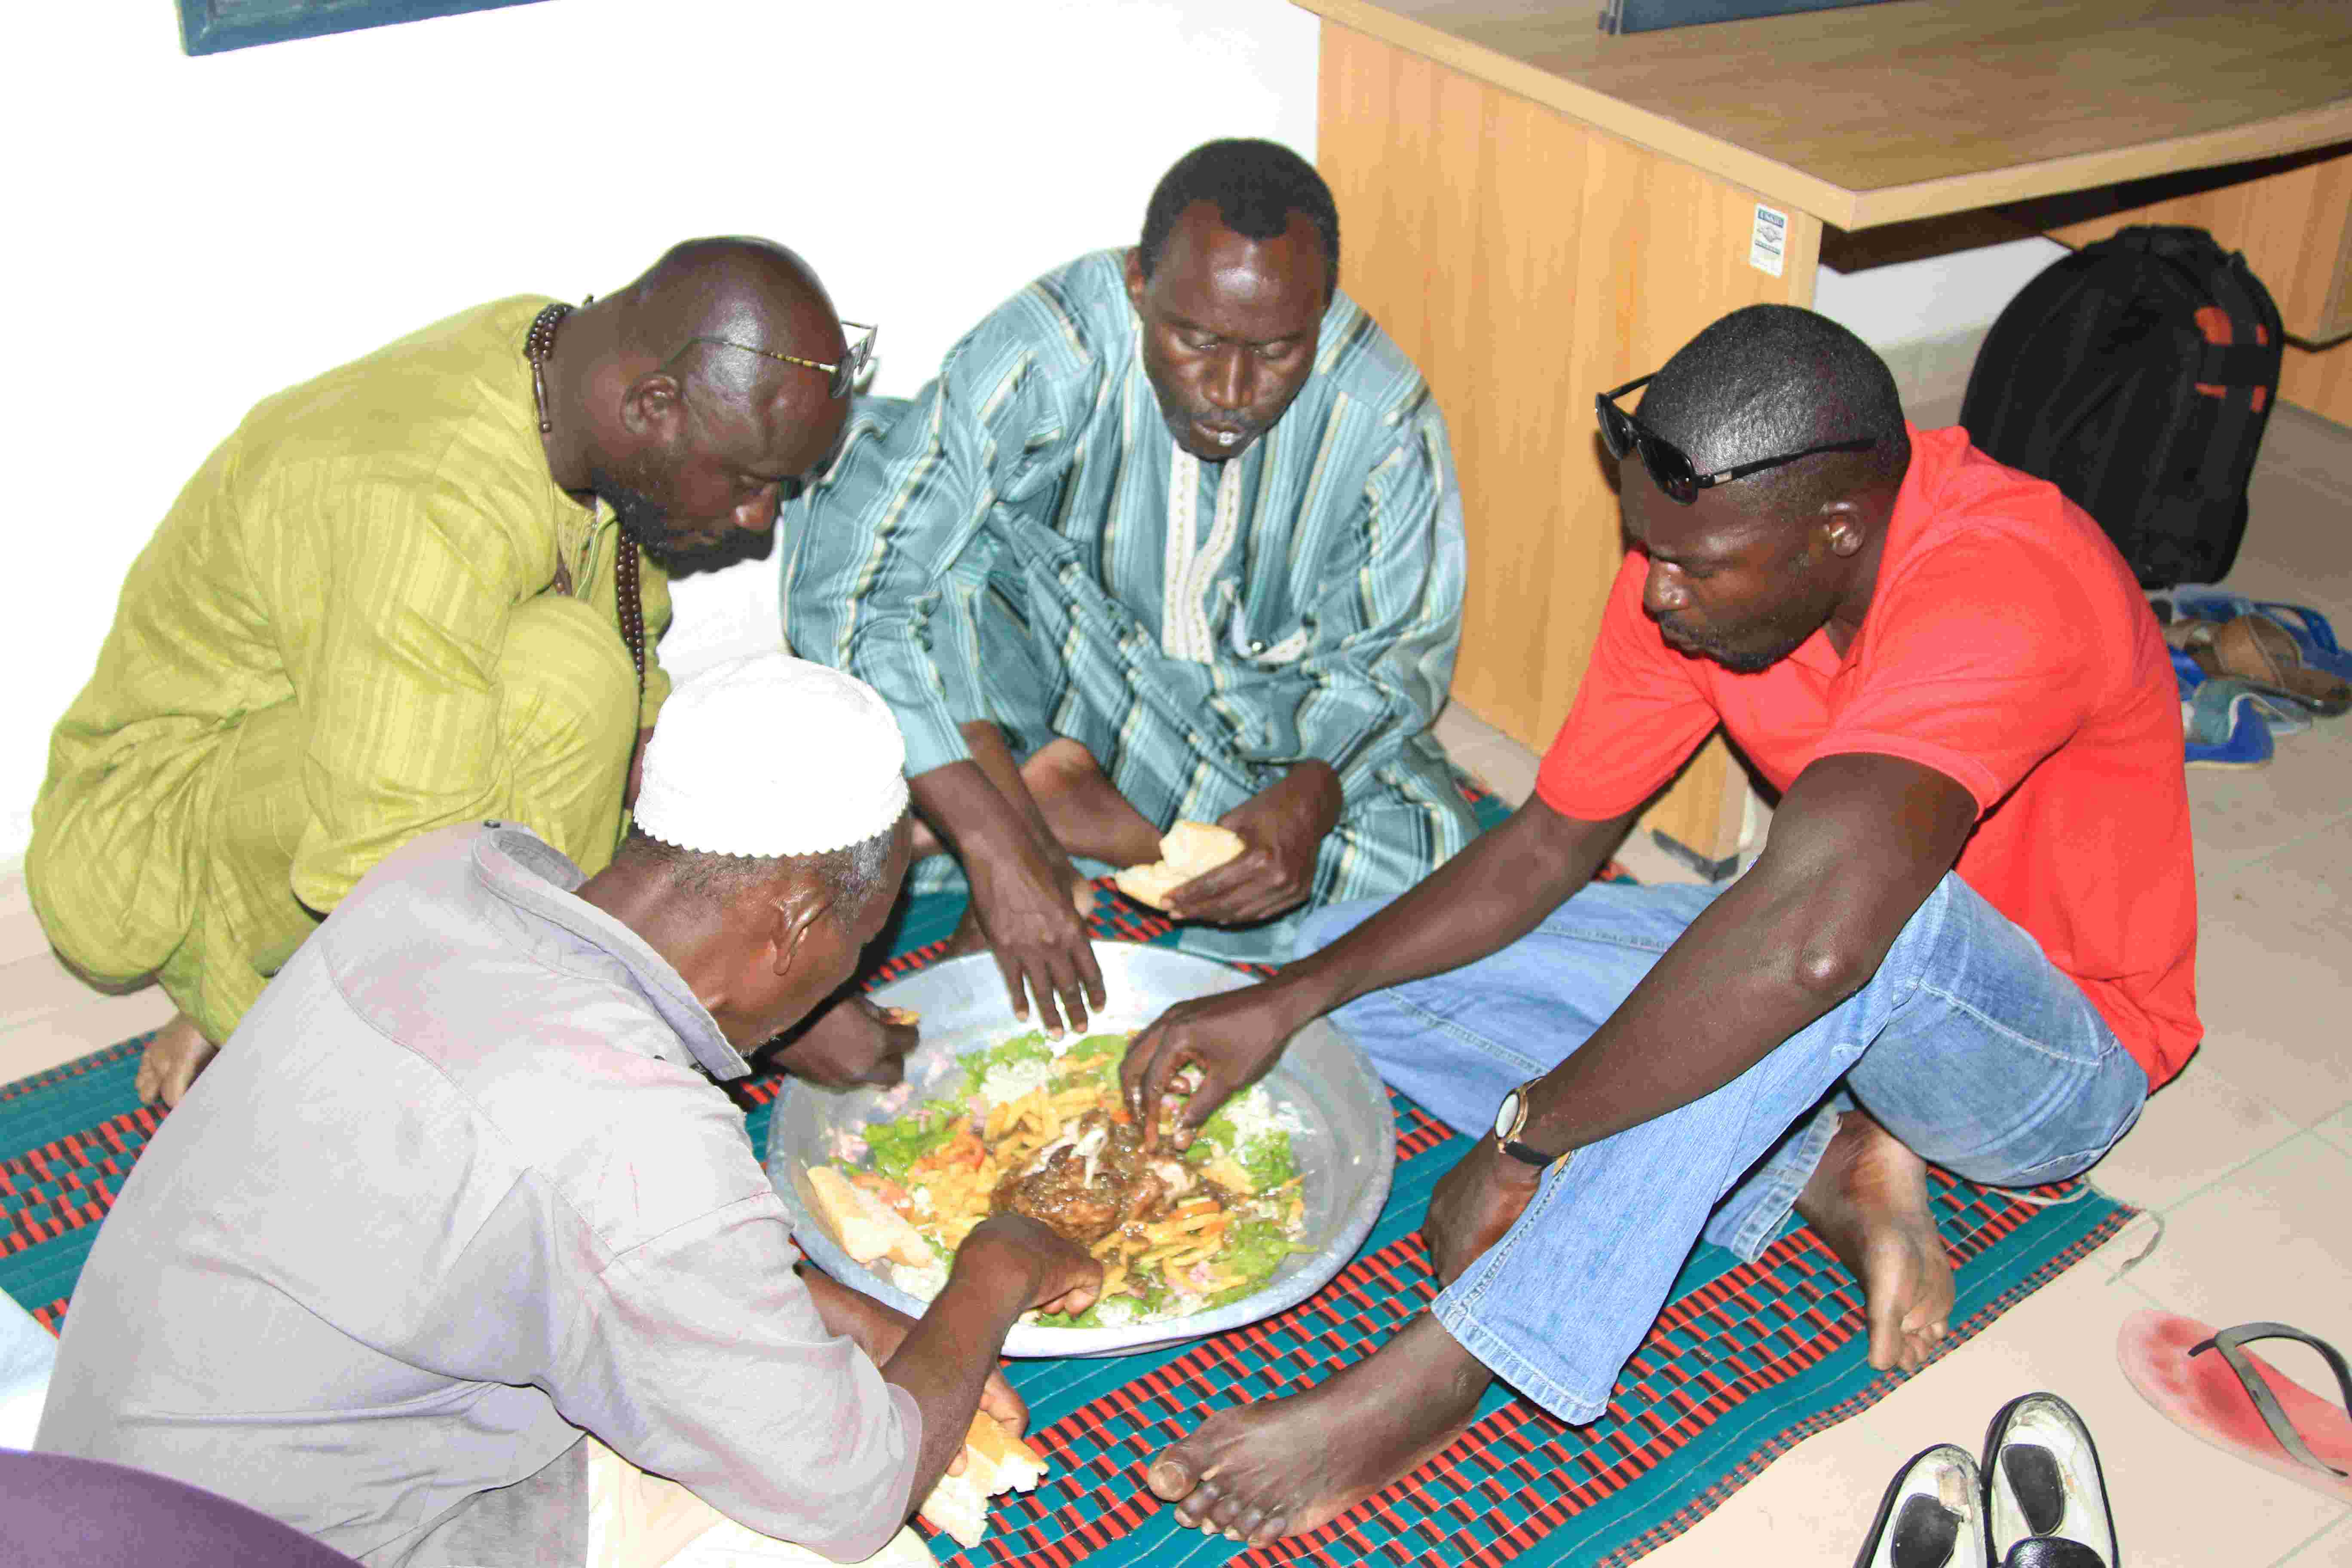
(1521, 1151)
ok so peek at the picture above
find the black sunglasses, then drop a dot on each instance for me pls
(1671, 466)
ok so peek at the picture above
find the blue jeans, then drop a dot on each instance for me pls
(1967, 1044)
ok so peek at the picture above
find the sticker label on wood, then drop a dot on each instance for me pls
(1770, 242)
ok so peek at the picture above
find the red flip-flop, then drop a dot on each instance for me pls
(2208, 1384)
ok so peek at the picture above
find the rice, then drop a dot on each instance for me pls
(1012, 1081)
(923, 1281)
(1255, 1115)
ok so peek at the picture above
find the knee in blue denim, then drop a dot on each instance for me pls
(1327, 925)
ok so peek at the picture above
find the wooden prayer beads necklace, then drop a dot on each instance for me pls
(537, 345)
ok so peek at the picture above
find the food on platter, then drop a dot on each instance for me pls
(867, 1228)
(1037, 1126)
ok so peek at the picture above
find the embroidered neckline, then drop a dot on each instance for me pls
(1189, 570)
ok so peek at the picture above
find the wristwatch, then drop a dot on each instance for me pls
(1509, 1118)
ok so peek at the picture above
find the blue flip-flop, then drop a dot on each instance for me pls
(2279, 717)
(2313, 638)
(2226, 724)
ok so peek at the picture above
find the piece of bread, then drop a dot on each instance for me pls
(867, 1228)
(1186, 850)
(995, 1462)
(1015, 1467)
(959, 1507)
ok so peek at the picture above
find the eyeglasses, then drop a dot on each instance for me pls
(845, 375)
(1671, 466)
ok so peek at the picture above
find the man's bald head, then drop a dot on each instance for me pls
(1773, 379)
(696, 423)
(740, 290)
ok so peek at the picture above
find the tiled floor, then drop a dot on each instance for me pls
(2246, 1158)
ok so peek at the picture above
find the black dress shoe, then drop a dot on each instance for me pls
(1932, 1516)
(2045, 1497)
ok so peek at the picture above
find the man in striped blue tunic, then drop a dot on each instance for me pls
(1174, 536)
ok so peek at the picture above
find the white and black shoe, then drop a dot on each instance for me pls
(2045, 1497)
(1933, 1515)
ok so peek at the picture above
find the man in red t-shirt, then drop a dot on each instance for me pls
(1969, 939)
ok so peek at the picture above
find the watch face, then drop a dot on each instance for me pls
(1506, 1115)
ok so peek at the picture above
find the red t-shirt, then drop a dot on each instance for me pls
(2007, 648)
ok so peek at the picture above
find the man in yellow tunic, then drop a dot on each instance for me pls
(395, 599)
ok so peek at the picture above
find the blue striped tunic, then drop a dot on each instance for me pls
(1024, 542)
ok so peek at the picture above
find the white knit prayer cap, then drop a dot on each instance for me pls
(773, 755)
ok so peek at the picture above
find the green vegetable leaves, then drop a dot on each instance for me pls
(899, 1145)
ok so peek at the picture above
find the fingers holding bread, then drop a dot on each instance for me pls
(1186, 850)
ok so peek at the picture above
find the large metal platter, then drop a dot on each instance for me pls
(1347, 1152)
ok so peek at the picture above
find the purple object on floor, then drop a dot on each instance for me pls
(55, 1507)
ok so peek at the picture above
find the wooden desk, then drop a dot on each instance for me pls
(1537, 213)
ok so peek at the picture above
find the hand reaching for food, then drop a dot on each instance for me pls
(1232, 1041)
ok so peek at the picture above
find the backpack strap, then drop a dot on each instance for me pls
(2244, 369)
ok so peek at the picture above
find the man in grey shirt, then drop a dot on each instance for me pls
(459, 1188)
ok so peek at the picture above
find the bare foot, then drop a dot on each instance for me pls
(967, 937)
(1089, 817)
(174, 1057)
(1283, 1466)
(1868, 1199)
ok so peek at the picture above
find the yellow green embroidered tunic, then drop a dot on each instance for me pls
(349, 628)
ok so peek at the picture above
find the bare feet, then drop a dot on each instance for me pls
(1079, 807)
(1283, 1466)
(1089, 817)
(1868, 1199)
(174, 1057)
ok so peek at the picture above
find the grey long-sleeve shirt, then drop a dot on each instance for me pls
(454, 1192)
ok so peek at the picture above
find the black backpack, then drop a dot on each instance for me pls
(2137, 375)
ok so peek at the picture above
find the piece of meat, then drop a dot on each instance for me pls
(1091, 1181)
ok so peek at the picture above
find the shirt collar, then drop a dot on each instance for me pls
(526, 871)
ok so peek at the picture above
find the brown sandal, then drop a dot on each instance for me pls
(2262, 653)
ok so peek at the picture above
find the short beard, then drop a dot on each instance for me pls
(644, 524)
(1739, 661)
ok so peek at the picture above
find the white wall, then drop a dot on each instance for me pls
(186, 236)
(1936, 297)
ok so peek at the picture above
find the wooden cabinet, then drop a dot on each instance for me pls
(1537, 213)
(1525, 260)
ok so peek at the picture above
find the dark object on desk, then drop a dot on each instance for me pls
(1649, 15)
(2137, 375)
(208, 26)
